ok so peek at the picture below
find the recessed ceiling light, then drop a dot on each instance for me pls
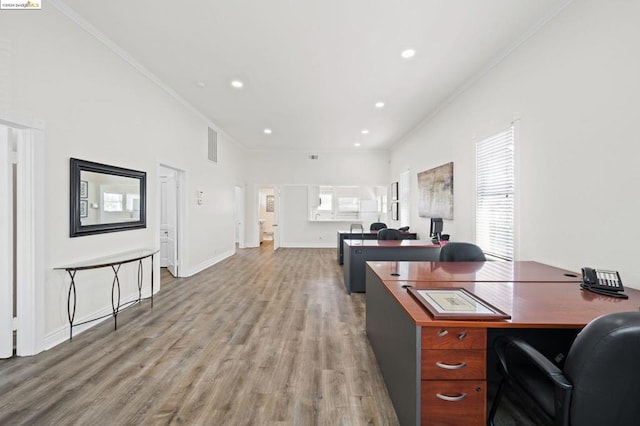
(237, 84)
(201, 84)
(408, 53)
(356, 144)
(365, 132)
(380, 104)
(267, 131)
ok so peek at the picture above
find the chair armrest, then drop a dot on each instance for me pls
(548, 368)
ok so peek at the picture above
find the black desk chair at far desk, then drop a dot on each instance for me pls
(461, 252)
(389, 234)
(376, 226)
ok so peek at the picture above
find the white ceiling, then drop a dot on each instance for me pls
(313, 69)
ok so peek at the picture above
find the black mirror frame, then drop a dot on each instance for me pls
(76, 229)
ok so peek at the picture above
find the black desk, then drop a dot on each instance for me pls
(370, 235)
(358, 252)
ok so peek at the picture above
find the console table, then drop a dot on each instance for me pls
(114, 262)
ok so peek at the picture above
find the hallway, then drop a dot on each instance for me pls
(261, 338)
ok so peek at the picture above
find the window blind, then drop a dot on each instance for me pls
(495, 191)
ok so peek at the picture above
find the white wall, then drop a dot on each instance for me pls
(293, 171)
(97, 107)
(574, 87)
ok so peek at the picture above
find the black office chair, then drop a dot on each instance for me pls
(599, 383)
(376, 226)
(461, 252)
(404, 229)
(389, 234)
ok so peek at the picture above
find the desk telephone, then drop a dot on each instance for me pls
(603, 282)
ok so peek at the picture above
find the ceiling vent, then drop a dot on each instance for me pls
(313, 157)
(213, 145)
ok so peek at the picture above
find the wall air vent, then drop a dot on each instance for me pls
(213, 145)
(313, 157)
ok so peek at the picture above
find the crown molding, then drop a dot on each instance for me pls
(484, 70)
(126, 56)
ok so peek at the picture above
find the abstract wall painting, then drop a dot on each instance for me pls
(435, 188)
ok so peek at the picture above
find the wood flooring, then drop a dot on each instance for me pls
(262, 338)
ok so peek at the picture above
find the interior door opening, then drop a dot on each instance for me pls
(168, 182)
(21, 236)
(239, 213)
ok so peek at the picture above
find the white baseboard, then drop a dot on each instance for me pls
(61, 335)
(209, 263)
(310, 245)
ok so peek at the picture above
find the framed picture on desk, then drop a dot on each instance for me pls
(456, 304)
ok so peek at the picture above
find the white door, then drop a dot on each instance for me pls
(276, 218)
(168, 221)
(6, 247)
(239, 216)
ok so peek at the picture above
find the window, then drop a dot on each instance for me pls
(348, 205)
(326, 201)
(495, 191)
(112, 202)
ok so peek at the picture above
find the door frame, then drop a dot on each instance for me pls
(181, 197)
(29, 252)
(277, 225)
(239, 215)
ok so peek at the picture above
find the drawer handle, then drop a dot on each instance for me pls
(462, 335)
(452, 398)
(442, 333)
(451, 366)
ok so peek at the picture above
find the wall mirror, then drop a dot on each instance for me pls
(106, 198)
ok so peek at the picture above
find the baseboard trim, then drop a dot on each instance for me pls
(61, 335)
(209, 263)
(308, 245)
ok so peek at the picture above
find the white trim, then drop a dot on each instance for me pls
(308, 245)
(100, 36)
(30, 242)
(61, 335)
(209, 263)
(21, 121)
(6, 247)
(181, 201)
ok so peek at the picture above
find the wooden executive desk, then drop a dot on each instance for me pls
(408, 342)
(472, 271)
(369, 235)
(357, 252)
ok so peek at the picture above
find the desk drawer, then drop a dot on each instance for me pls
(454, 338)
(451, 364)
(460, 402)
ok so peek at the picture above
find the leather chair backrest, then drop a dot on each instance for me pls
(376, 226)
(603, 365)
(389, 234)
(461, 252)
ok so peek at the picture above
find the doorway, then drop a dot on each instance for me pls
(21, 236)
(170, 229)
(239, 217)
(268, 215)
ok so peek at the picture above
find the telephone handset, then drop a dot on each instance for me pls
(603, 282)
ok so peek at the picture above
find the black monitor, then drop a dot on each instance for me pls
(436, 228)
